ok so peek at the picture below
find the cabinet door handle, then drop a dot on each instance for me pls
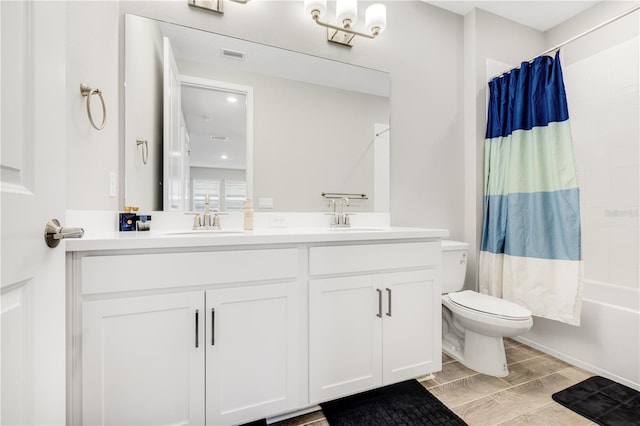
(197, 328)
(389, 302)
(379, 314)
(213, 325)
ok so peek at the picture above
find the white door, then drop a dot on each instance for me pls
(143, 360)
(345, 336)
(32, 285)
(411, 328)
(253, 359)
(173, 151)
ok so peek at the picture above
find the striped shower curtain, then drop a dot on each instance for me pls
(530, 252)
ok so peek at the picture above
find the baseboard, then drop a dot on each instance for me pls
(576, 362)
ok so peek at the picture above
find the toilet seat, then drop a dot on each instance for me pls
(489, 305)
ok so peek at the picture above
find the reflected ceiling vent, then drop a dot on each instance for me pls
(219, 138)
(233, 54)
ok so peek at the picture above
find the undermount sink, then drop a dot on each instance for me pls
(206, 232)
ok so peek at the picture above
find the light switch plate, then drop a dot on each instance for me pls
(265, 203)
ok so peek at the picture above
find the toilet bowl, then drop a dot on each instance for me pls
(474, 324)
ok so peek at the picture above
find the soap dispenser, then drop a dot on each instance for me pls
(248, 214)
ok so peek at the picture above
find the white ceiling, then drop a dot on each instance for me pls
(216, 127)
(541, 15)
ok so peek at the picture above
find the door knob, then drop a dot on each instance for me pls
(54, 232)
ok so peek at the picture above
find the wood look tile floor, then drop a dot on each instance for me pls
(521, 398)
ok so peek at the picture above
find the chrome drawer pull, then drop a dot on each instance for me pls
(213, 324)
(389, 305)
(197, 328)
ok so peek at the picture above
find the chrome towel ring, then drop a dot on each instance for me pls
(88, 92)
(145, 149)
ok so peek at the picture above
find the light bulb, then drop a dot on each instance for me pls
(347, 10)
(319, 5)
(376, 17)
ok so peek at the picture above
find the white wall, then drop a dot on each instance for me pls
(92, 58)
(422, 49)
(601, 76)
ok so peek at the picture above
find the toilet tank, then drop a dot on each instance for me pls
(454, 265)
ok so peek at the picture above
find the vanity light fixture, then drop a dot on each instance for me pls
(347, 14)
(212, 5)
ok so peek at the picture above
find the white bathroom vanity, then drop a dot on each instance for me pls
(225, 328)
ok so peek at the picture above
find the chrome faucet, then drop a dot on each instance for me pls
(209, 220)
(343, 216)
(333, 213)
(339, 218)
(344, 202)
(206, 216)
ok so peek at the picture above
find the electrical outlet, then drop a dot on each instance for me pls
(277, 221)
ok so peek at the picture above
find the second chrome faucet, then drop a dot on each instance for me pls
(339, 217)
(210, 220)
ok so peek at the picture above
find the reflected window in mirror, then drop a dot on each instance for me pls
(235, 194)
(200, 189)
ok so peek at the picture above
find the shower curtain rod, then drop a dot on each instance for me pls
(572, 39)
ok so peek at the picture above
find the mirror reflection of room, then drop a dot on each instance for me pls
(305, 116)
(216, 123)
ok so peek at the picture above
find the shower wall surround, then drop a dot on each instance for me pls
(601, 79)
(601, 76)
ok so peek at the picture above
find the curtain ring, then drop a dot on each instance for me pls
(145, 149)
(88, 92)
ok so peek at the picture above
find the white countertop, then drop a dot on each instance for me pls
(234, 237)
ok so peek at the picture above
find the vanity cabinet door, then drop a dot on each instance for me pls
(345, 332)
(143, 360)
(252, 352)
(411, 327)
(371, 330)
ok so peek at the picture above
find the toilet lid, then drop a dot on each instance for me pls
(489, 304)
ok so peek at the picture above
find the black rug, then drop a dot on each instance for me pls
(602, 401)
(402, 404)
(261, 422)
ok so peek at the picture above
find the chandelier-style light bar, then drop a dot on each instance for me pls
(347, 14)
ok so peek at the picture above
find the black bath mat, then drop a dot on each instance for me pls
(261, 422)
(403, 404)
(602, 401)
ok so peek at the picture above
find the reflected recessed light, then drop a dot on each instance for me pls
(224, 156)
(232, 99)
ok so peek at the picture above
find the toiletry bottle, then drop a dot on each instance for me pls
(127, 219)
(248, 214)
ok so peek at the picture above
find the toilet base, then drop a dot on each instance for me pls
(484, 354)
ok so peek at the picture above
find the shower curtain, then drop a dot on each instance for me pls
(530, 251)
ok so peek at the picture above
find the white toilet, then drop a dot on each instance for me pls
(474, 324)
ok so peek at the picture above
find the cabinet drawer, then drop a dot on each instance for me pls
(373, 257)
(104, 274)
